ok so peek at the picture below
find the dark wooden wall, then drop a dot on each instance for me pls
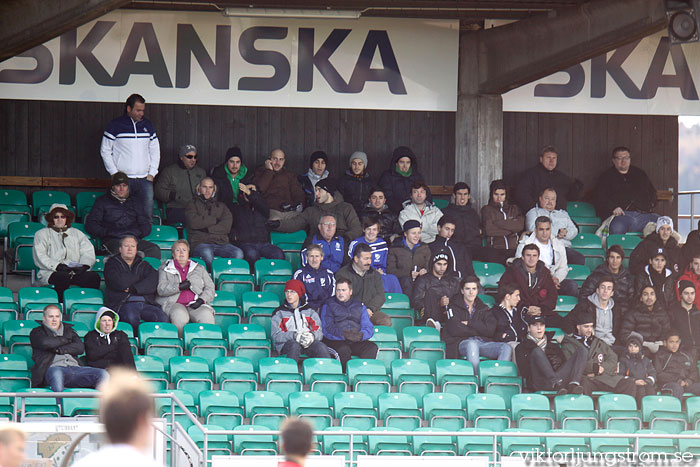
(585, 141)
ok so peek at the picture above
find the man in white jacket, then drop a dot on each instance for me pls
(552, 254)
(420, 209)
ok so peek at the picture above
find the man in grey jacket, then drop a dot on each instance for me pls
(176, 184)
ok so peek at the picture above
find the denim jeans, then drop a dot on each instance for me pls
(677, 390)
(141, 189)
(568, 287)
(632, 221)
(254, 251)
(207, 251)
(60, 377)
(543, 377)
(476, 347)
(134, 312)
(293, 350)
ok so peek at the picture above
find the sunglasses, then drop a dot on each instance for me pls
(59, 216)
(190, 156)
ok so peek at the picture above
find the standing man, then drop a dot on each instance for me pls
(627, 193)
(545, 175)
(130, 145)
(177, 184)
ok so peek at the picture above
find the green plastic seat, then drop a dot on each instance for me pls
(204, 340)
(297, 237)
(9, 309)
(488, 411)
(252, 440)
(249, 341)
(691, 446)
(396, 300)
(399, 410)
(587, 224)
(152, 369)
(470, 443)
(388, 345)
(36, 298)
(500, 377)
(424, 343)
(368, 376)
(10, 214)
(22, 233)
(355, 410)
(656, 445)
(217, 445)
(191, 374)
(232, 275)
(664, 413)
(253, 300)
(335, 443)
(619, 445)
(164, 236)
(619, 412)
(163, 406)
(626, 241)
(161, 340)
(265, 408)
(272, 267)
(586, 241)
(401, 318)
(76, 407)
(281, 375)
(581, 209)
(236, 374)
(569, 444)
(14, 373)
(324, 375)
(313, 407)
(566, 303)
(38, 406)
(388, 445)
(488, 273)
(444, 410)
(432, 445)
(575, 412)
(221, 408)
(84, 200)
(456, 377)
(692, 405)
(532, 412)
(81, 296)
(413, 377)
(578, 273)
(488, 300)
(226, 309)
(13, 197)
(15, 333)
(292, 253)
(514, 445)
(45, 198)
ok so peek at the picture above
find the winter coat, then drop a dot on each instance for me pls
(287, 321)
(428, 219)
(207, 221)
(279, 188)
(665, 289)
(688, 275)
(599, 353)
(502, 225)
(687, 324)
(460, 257)
(482, 323)
(177, 185)
(536, 289)
(169, 280)
(624, 287)
(347, 223)
(356, 189)
(223, 184)
(560, 220)
(552, 351)
(131, 147)
(560, 267)
(673, 367)
(509, 328)
(107, 350)
(589, 306)
(468, 224)
(368, 288)
(249, 217)
(140, 278)
(388, 221)
(427, 292)
(649, 247)
(535, 179)
(334, 252)
(338, 316)
(402, 260)
(308, 182)
(637, 366)
(52, 248)
(632, 191)
(46, 345)
(396, 187)
(652, 325)
(690, 248)
(110, 219)
(319, 284)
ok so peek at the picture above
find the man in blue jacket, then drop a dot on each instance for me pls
(334, 246)
(318, 280)
(346, 325)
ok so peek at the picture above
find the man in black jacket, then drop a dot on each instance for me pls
(677, 370)
(105, 346)
(389, 227)
(542, 362)
(468, 224)
(461, 258)
(545, 175)
(55, 350)
(471, 326)
(115, 215)
(131, 286)
(685, 317)
(627, 193)
(432, 292)
(249, 232)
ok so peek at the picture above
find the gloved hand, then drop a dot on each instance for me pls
(62, 268)
(299, 207)
(307, 338)
(184, 285)
(81, 268)
(272, 225)
(196, 304)
(352, 336)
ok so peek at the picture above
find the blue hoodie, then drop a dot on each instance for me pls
(319, 284)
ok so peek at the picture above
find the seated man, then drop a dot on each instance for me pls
(389, 227)
(510, 323)
(432, 291)
(348, 225)
(380, 252)
(115, 215)
(55, 350)
(685, 317)
(552, 254)
(366, 284)
(175, 184)
(677, 370)
(356, 183)
(562, 226)
(460, 258)
(662, 239)
(279, 186)
(543, 365)
(658, 276)
(131, 285)
(468, 227)
(296, 327)
(600, 372)
(600, 304)
(544, 175)
(408, 258)
(538, 294)
(318, 281)
(692, 275)
(647, 318)
(334, 247)
(419, 209)
(396, 181)
(346, 325)
(208, 223)
(640, 369)
(317, 171)
(625, 191)
(105, 346)
(471, 327)
(502, 223)
(624, 281)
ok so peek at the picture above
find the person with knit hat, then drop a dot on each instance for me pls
(396, 181)
(638, 368)
(432, 291)
(105, 345)
(685, 316)
(230, 175)
(63, 254)
(318, 162)
(662, 238)
(658, 275)
(296, 327)
(176, 184)
(356, 183)
(279, 186)
(409, 258)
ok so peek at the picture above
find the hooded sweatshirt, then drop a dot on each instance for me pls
(103, 350)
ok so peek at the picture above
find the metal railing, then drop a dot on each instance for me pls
(690, 216)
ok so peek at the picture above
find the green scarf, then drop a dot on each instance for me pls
(403, 174)
(235, 180)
